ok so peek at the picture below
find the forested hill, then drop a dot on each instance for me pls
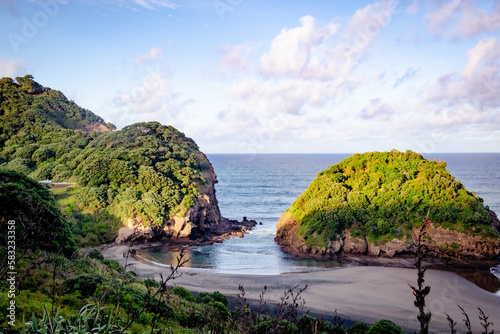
(372, 203)
(25, 104)
(147, 172)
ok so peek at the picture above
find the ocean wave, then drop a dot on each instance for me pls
(495, 271)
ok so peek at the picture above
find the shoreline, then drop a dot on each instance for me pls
(478, 272)
(358, 293)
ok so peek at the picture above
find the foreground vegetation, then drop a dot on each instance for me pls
(384, 195)
(89, 294)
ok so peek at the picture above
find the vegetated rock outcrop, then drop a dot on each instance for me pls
(374, 203)
(148, 177)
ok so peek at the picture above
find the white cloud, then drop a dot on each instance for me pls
(326, 51)
(377, 110)
(11, 68)
(478, 85)
(460, 18)
(409, 74)
(309, 65)
(486, 53)
(292, 52)
(365, 25)
(317, 86)
(151, 100)
(459, 108)
(236, 57)
(291, 91)
(154, 54)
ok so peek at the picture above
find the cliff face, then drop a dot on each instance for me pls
(440, 242)
(201, 220)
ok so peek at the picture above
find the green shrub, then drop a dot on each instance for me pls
(44, 227)
(306, 324)
(86, 284)
(90, 319)
(184, 293)
(151, 283)
(385, 326)
(112, 264)
(198, 319)
(182, 318)
(264, 326)
(358, 328)
(204, 298)
(219, 297)
(221, 310)
(310, 325)
(96, 254)
(166, 311)
(209, 298)
(72, 301)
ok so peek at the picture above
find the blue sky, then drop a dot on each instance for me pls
(241, 76)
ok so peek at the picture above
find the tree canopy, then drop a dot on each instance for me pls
(382, 195)
(37, 219)
(145, 170)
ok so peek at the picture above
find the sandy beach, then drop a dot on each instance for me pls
(358, 293)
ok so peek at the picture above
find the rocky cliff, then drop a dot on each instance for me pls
(374, 203)
(440, 241)
(202, 220)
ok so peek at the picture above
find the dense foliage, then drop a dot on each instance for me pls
(385, 326)
(27, 108)
(89, 294)
(382, 195)
(36, 219)
(145, 170)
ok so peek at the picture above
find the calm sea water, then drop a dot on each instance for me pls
(263, 186)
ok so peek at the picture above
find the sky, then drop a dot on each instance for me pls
(294, 76)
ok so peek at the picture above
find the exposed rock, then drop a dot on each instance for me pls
(460, 245)
(495, 220)
(201, 219)
(441, 243)
(355, 245)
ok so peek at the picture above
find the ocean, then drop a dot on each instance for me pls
(263, 186)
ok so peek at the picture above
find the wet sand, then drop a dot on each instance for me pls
(361, 293)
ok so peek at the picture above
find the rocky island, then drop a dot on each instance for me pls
(374, 203)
